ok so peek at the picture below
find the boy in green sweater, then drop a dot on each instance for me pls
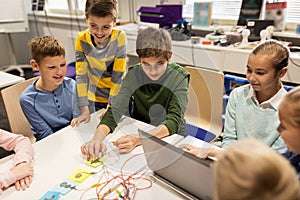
(153, 91)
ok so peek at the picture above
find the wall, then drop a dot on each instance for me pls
(60, 27)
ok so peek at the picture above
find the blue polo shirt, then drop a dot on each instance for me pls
(48, 112)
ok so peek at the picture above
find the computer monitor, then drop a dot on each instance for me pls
(250, 9)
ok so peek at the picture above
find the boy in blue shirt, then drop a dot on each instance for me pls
(49, 103)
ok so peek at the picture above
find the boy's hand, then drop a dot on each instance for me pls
(92, 148)
(23, 172)
(82, 118)
(127, 143)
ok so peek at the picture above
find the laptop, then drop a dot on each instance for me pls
(183, 172)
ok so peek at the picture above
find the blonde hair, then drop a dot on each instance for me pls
(42, 47)
(292, 99)
(250, 170)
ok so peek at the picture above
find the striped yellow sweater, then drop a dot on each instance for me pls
(99, 70)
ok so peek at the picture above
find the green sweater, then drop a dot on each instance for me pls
(154, 102)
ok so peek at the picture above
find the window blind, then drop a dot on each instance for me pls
(293, 11)
(230, 10)
(221, 9)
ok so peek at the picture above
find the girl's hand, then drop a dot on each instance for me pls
(23, 172)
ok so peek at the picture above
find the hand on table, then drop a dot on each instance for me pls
(200, 152)
(127, 143)
(84, 117)
(92, 148)
(23, 172)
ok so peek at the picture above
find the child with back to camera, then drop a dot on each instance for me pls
(153, 91)
(49, 103)
(22, 171)
(100, 58)
(249, 170)
(252, 109)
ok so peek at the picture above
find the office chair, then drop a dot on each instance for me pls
(205, 103)
(16, 118)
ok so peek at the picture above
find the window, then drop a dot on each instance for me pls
(230, 10)
(65, 6)
(222, 9)
(293, 11)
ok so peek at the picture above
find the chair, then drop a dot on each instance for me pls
(16, 118)
(205, 103)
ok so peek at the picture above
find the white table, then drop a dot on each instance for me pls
(7, 79)
(58, 156)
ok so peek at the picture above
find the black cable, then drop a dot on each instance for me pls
(77, 16)
(297, 65)
(71, 23)
(35, 22)
(47, 22)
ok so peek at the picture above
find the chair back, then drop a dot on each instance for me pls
(16, 118)
(205, 99)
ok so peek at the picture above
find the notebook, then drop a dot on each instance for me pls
(183, 172)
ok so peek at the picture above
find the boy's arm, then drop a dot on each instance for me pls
(81, 73)
(120, 104)
(119, 67)
(75, 106)
(177, 106)
(230, 134)
(36, 121)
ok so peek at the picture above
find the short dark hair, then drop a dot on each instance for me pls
(153, 42)
(101, 8)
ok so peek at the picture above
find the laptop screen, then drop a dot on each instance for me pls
(178, 168)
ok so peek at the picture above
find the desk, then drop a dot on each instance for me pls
(58, 156)
(224, 59)
(7, 79)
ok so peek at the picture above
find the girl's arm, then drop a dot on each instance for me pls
(20, 144)
(22, 160)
